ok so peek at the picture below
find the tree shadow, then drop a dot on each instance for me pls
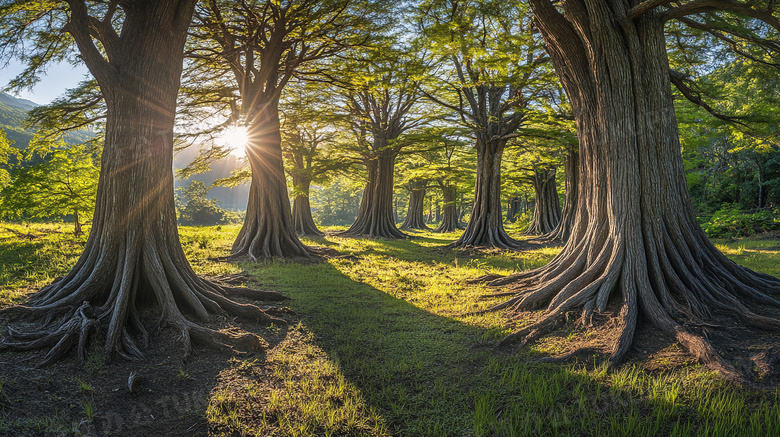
(432, 375)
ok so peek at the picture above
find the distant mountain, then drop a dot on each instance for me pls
(13, 113)
(12, 116)
(14, 102)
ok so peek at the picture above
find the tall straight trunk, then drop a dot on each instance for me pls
(375, 216)
(449, 220)
(547, 212)
(414, 213)
(76, 223)
(635, 239)
(486, 226)
(566, 223)
(133, 255)
(268, 230)
(302, 219)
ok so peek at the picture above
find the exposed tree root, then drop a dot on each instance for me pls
(580, 352)
(484, 235)
(105, 293)
(676, 289)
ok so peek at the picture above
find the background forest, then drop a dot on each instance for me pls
(732, 160)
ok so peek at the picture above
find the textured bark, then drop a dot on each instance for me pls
(375, 216)
(450, 221)
(76, 223)
(566, 223)
(414, 213)
(512, 209)
(547, 212)
(133, 255)
(302, 219)
(635, 239)
(268, 230)
(486, 226)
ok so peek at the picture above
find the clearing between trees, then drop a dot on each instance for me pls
(376, 344)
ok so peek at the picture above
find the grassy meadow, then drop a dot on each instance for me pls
(380, 343)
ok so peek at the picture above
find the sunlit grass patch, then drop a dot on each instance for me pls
(297, 391)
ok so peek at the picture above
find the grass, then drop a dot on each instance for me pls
(383, 345)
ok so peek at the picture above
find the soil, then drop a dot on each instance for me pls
(169, 396)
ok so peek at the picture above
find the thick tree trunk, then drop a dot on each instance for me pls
(375, 216)
(486, 226)
(414, 213)
(268, 230)
(566, 223)
(547, 212)
(133, 255)
(635, 239)
(302, 219)
(449, 221)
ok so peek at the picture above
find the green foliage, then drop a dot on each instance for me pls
(730, 221)
(197, 209)
(64, 183)
(336, 203)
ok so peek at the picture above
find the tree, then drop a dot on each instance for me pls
(307, 129)
(260, 46)
(498, 69)
(65, 183)
(380, 100)
(134, 51)
(547, 210)
(636, 239)
(6, 152)
(414, 212)
(199, 209)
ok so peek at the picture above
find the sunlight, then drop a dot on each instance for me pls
(234, 137)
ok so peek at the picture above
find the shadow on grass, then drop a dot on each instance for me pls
(429, 375)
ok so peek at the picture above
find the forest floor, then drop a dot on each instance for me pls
(377, 344)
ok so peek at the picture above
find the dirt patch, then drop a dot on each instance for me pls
(170, 393)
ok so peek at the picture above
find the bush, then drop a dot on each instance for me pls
(730, 221)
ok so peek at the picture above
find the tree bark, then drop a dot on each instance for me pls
(302, 219)
(133, 255)
(486, 226)
(76, 223)
(547, 212)
(414, 214)
(566, 223)
(375, 216)
(635, 238)
(268, 230)
(450, 221)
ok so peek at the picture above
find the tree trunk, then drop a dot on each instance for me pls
(547, 212)
(486, 226)
(375, 216)
(414, 214)
(450, 221)
(302, 219)
(133, 255)
(268, 230)
(566, 223)
(635, 239)
(76, 223)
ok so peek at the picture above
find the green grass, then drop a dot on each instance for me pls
(384, 345)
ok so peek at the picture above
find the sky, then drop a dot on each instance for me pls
(59, 77)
